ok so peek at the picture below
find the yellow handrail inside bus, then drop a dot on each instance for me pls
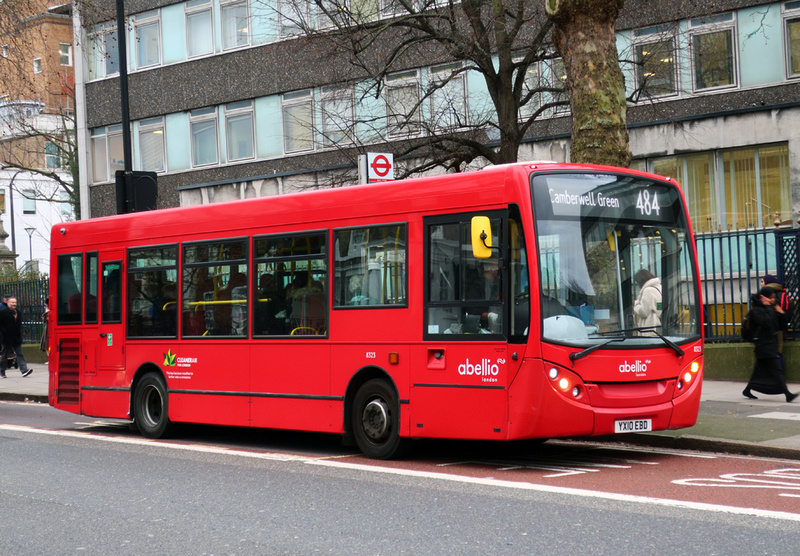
(314, 330)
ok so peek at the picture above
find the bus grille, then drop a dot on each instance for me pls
(69, 371)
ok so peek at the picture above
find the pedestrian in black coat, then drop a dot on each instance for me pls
(11, 330)
(767, 319)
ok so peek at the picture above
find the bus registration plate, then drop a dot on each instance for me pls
(633, 425)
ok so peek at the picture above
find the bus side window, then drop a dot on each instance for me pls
(370, 266)
(291, 285)
(69, 302)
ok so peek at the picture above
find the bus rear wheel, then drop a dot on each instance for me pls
(376, 420)
(151, 406)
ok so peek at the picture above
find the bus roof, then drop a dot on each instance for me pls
(309, 209)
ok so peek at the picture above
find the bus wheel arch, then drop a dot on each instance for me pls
(372, 414)
(150, 402)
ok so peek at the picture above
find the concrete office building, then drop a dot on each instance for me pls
(217, 88)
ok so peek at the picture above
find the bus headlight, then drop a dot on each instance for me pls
(568, 384)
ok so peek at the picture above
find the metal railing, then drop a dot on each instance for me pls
(31, 296)
(731, 265)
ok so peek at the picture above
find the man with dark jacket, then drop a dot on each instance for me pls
(767, 319)
(11, 330)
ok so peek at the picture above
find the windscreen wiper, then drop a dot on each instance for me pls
(652, 329)
(575, 355)
(667, 341)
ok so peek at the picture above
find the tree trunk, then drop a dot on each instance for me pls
(584, 38)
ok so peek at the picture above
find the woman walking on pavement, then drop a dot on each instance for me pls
(767, 320)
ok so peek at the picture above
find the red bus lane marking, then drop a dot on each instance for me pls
(699, 478)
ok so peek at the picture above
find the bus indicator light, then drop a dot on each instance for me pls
(394, 358)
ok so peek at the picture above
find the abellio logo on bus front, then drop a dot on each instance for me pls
(638, 367)
(484, 369)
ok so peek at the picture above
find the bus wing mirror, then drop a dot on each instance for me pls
(481, 237)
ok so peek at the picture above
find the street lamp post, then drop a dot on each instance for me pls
(30, 245)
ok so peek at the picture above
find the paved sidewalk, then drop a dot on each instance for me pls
(30, 388)
(728, 421)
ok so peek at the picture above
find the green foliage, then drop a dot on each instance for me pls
(11, 274)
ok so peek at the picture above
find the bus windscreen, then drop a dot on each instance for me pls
(616, 262)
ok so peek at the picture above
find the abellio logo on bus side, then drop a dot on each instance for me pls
(485, 369)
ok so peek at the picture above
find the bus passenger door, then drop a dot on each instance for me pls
(111, 340)
(476, 309)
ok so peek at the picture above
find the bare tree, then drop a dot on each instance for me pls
(506, 43)
(37, 116)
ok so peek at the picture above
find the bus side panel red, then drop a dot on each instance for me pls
(455, 412)
(208, 409)
(204, 378)
(104, 403)
(537, 410)
(290, 386)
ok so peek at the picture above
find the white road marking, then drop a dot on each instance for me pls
(333, 463)
(778, 415)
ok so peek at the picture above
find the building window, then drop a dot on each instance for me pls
(103, 51)
(239, 130)
(655, 61)
(235, 25)
(792, 37)
(52, 156)
(713, 52)
(65, 202)
(107, 152)
(37, 65)
(558, 80)
(28, 201)
(151, 145)
(531, 100)
(294, 17)
(199, 28)
(65, 54)
(204, 136)
(732, 189)
(2, 201)
(448, 98)
(298, 121)
(338, 115)
(402, 104)
(148, 41)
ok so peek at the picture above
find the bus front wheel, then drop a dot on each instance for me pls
(150, 406)
(376, 420)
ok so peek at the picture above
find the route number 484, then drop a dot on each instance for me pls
(646, 205)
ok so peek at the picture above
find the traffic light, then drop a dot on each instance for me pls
(136, 191)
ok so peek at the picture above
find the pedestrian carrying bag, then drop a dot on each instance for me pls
(748, 330)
